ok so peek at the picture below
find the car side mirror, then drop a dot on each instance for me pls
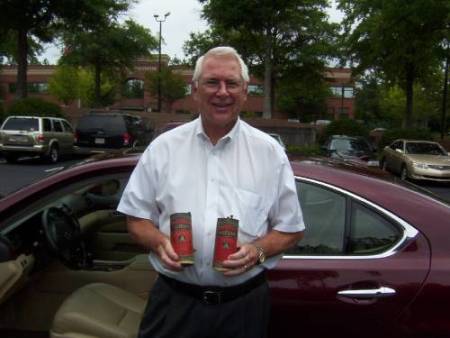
(399, 151)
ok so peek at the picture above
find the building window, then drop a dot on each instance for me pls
(133, 89)
(188, 89)
(32, 87)
(255, 89)
(337, 91)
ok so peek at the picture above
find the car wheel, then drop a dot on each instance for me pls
(53, 154)
(404, 173)
(11, 158)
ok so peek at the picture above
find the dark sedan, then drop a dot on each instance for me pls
(373, 263)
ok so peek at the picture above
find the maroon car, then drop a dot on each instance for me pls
(374, 261)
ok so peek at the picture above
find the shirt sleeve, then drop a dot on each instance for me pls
(139, 196)
(285, 214)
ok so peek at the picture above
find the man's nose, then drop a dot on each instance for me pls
(222, 91)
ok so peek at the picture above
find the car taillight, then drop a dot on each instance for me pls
(126, 139)
(40, 138)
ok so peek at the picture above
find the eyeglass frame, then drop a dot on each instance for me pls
(213, 85)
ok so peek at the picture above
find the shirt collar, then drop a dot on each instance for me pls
(230, 136)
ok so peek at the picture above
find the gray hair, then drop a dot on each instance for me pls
(219, 51)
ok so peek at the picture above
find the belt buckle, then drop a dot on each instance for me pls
(212, 297)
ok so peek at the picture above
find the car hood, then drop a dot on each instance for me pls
(430, 159)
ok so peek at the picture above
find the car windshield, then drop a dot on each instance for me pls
(101, 122)
(423, 148)
(25, 124)
(350, 145)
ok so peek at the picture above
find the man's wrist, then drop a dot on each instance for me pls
(261, 255)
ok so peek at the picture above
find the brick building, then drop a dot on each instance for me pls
(136, 97)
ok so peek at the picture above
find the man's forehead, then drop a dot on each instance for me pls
(221, 65)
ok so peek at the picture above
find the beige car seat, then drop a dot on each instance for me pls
(98, 310)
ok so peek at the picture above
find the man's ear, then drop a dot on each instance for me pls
(194, 89)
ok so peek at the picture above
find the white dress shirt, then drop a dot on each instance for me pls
(246, 174)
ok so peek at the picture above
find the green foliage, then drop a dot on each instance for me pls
(173, 86)
(86, 87)
(276, 38)
(32, 106)
(32, 22)
(403, 40)
(299, 98)
(111, 48)
(344, 127)
(306, 150)
(65, 84)
(411, 134)
(381, 104)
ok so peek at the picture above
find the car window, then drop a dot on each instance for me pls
(67, 126)
(47, 124)
(370, 233)
(25, 124)
(423, 148)
(397, 145)
(329, 232)
(101, 122)
(324, 234)
(57, 126)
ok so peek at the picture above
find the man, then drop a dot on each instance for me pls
(213, 167)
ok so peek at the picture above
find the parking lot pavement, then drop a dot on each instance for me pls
(26, 171)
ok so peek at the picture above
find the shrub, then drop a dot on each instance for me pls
(32, 106)
(347, 127)
(306, 150)
(412, 134)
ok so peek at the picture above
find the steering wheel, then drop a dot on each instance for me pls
(63, 233)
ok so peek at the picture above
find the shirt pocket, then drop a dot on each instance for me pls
(248, 208)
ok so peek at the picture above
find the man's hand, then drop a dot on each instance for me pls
(145, 233)
(273, 243)
(167, 255)
(241, 261)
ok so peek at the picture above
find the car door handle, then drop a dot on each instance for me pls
(380, 292)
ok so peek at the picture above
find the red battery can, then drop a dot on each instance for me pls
(181, 237)
(226, 240)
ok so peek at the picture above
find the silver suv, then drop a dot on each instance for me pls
(48, 137)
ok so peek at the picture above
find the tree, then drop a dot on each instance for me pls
(39, 20)
(65, 84)
(401, 39)
(112, 48)
(109, 87)
(173, 86)
(301, 100)
(380, 103)
(277, 37)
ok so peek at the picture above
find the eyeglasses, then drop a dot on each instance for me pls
(213, 85)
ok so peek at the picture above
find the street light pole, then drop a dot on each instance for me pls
(156, 16)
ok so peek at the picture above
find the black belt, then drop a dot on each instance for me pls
(213, 295)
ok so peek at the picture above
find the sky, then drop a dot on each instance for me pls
(184, 18)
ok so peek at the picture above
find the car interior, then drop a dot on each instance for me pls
(68, 267)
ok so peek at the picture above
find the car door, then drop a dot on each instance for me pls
(68, 137)
(352, 275)
(396, 160)
(58, 133)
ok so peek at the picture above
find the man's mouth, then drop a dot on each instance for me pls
(221, 106)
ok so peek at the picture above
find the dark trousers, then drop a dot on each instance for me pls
(174, 314)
